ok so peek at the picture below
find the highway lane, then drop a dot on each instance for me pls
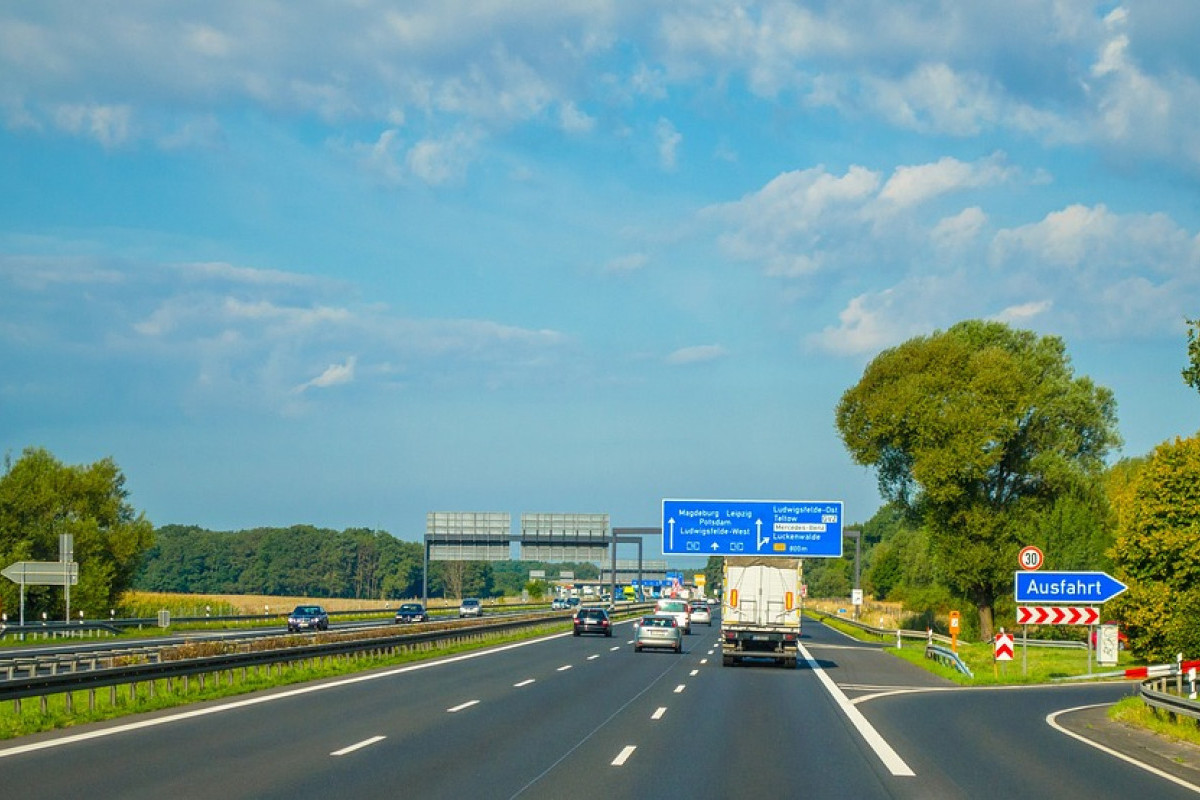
(586, 717)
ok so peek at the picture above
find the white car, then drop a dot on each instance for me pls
(470, 607)
(677, 609)
(698, 612)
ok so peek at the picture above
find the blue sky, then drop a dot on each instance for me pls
(347, 263)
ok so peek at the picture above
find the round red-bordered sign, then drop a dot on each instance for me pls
(1030, 558)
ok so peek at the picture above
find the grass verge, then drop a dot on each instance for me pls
(1132, 711)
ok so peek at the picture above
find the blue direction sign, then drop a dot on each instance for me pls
(804, 528)
(1066, 587)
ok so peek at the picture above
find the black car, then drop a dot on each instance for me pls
(411, 612)
(312, 618)
(592, 619)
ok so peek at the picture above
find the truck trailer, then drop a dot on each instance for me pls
(761, 609)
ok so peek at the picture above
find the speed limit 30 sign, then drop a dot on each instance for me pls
(1030, 558)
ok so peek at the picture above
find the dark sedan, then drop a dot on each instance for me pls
(592, 619)
(312, 618)
(411, 612)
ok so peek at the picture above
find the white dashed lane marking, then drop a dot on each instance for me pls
(624, 755)
(359, 746)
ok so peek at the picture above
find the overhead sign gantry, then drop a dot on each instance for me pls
(801, 528)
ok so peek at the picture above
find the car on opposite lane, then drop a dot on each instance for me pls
(411, 612)
(470, 607)
(592, 619)
(312, 618)
(658, 630)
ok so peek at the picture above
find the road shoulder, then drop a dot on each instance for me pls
(1178, 759)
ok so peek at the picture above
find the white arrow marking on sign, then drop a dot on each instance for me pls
(761, 539)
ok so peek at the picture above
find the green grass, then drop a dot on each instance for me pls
(1132, 711)
(1044, 664)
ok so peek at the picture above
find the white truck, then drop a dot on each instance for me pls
(761, 608)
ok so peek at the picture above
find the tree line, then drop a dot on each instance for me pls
(982, 437)
(306, 561)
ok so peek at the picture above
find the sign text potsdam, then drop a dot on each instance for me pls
(805, 528)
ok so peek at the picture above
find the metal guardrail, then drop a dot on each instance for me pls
(1156, 693)
(36, 684)
(44, 685)
(944, 655)
(930, 636)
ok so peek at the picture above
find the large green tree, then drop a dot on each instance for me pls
(1155, 552)
(1191, 373)
(978, 429)
(41, 498)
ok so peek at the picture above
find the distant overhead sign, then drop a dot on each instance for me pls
(804, 528)
(1066, 587)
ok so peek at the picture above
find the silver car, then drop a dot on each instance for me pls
(470, 607)
(658, 630)
(677, 609)
(699, 612)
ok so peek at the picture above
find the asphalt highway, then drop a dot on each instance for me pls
(586, 717)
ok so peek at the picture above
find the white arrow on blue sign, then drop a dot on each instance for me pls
(802, 528)
(1065, 587)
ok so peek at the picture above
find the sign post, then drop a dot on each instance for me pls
(41, 573)
(1002, 650)
(1065, 587)
(1030, 558)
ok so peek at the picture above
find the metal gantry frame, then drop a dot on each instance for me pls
(617, 536)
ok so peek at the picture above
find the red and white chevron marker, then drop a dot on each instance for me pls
(1003, 648)
(1058, 615)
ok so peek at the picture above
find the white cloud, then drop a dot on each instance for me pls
(787, 225)
(1023, 314)
(334, 375)
(627, 263)
(573, 120)
(441, 161)
(108, 124)
(911, 185)
(667, 140)
(953, 234)
(696, 354)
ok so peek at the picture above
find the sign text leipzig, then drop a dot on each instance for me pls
(1066, 587)
(803, 528)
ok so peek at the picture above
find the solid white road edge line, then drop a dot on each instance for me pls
(624, 755)
(1052, 721)
(887, 755)
(359, 746)
(462, 706)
